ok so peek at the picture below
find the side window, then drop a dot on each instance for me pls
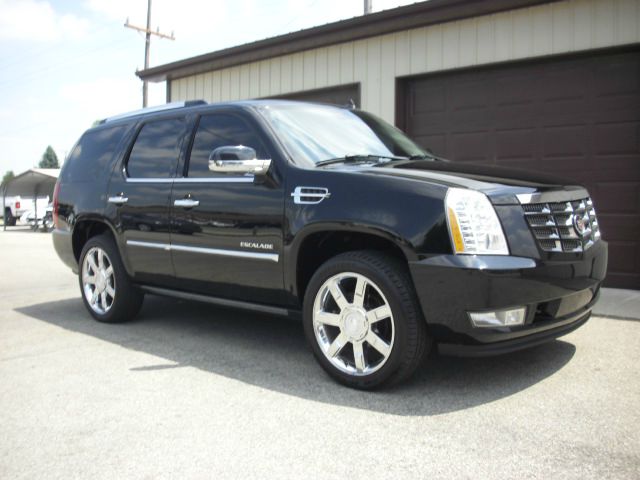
(92, 157)
(221, 130)
(156, 150)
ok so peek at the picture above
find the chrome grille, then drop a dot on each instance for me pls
(554, 225)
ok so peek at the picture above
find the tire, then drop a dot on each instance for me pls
(101, 270)
(342, 332)
(9, 219)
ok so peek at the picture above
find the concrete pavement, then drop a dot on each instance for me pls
(193, 391)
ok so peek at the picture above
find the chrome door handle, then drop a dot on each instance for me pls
(186, 203)
(118, 200)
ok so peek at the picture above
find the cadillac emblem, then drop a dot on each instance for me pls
(580, 224)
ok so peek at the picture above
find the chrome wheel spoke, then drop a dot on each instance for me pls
(110, 290)
(103, 300)
(378, 314)
(89, 279)
(376, 342)
(101, 260)
(337, 345)
(358, 356)
(338, 296)
(109, 271)
(92, 262)
(327, 318)
(358, 294)
(94, 297)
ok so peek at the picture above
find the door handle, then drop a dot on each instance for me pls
(119, 199)
(186, 203)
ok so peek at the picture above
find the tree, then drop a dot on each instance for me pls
(49, 159)
(7, 177)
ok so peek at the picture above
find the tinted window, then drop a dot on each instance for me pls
(218, 131)
(156, 150)
(92, 157)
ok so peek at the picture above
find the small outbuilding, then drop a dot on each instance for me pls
(34, 183)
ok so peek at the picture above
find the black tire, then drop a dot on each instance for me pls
(410, 341)
(9, 219)
(126, 302)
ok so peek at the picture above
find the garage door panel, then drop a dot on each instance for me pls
(618, 197)
(576, 117)
(517, 144)
(618, 138)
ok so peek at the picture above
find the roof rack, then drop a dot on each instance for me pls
(159, 108)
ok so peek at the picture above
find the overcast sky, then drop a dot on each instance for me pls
(64, 63)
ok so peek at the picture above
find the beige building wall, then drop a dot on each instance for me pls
(563, 27)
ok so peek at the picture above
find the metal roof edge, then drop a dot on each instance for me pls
(380, 23)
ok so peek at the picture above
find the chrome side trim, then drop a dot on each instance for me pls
(273, 257)
(256, 307)
(149, 180)
(551, 197)
(159, 246)
(227, 253)
(243, 179)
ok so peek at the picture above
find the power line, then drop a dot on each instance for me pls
(147, 47)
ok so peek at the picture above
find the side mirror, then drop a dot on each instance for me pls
(237, 159)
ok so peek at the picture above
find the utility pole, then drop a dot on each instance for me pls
(367, 7)
(147, 47)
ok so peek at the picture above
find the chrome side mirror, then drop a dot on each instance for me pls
(236, 159)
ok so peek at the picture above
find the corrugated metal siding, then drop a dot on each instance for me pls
(562, 27)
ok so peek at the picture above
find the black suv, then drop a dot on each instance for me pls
(331, 214)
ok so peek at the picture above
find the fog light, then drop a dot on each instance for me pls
(499, 318)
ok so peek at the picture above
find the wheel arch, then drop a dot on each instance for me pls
(88, 227)
(317, 243)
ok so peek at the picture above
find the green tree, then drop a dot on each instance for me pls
(7, 177)
(49, 159)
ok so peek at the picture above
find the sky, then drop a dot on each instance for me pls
(65, 64)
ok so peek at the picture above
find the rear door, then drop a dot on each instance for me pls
(140, 192)
(227, 228)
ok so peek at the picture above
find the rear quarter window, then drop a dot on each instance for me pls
(93, 156)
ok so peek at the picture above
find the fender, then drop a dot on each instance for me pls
(292, 249)
(97, 218)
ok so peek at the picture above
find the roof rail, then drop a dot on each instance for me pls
(159, 108)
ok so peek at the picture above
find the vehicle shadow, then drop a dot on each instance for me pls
(271, 353)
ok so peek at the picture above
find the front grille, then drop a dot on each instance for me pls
(569, 226)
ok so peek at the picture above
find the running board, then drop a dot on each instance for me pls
(224, 302)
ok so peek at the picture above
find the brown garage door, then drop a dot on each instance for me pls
(578, 117)
(342, 95)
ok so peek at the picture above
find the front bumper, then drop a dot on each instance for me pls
(559, 296)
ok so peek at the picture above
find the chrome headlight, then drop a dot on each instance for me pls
(473, 224)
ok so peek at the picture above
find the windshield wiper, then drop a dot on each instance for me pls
(359, 159)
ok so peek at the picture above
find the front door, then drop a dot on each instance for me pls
(226, 235)
(140, 193)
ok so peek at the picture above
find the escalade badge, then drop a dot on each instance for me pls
(579, 224)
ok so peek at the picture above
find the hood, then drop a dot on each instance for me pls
(500, 184)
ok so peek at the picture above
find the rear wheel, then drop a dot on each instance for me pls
(363, 321)
(106, 289)
(9, 219)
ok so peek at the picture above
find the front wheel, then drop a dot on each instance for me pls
(363, 321)
(106, 289)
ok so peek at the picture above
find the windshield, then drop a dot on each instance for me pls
(314, 133)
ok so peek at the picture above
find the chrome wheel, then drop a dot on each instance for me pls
(353, 324)
(98, 280)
